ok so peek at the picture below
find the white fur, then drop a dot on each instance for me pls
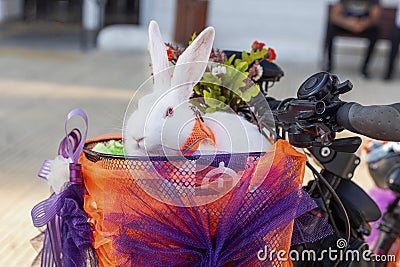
(232, 133)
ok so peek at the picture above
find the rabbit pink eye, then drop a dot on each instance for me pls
(169, 112)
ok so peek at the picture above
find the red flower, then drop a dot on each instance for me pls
(271, 54)
(169, 53)
(257, 46)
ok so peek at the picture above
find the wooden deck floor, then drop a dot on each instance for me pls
(37, 90)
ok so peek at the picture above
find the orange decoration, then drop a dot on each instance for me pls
(272, 53)
(257, 46)
(199, 131)
(111, 189)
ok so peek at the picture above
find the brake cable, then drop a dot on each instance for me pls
(338, 202)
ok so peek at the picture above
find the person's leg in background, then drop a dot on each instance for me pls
(372, 34)
(395, 41)
(331, 32)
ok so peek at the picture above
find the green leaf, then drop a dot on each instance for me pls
(197, 90)
(251, 57)
(230, 60)
(254, 55)
(251, 92)
(222, 98)
(241, 66)
(210, 110)
(209, 78)
(210, 101)
(259, 54)
(234, 80)
(192, 39)
(207, 94)
(228, 90)
(245, 56)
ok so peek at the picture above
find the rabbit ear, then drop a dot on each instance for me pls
(159, 58)
(192, 63)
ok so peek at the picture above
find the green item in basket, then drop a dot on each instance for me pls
(111, 147)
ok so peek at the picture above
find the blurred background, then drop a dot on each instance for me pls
(58, 55)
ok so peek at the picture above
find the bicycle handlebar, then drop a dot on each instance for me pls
(317, 114)
(380, 122)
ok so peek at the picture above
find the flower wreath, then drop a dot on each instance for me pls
(246, 86)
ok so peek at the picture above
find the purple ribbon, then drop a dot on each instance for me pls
(48, 211)
(71, 146)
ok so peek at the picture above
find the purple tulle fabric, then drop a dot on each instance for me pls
(158, 234)
(76, 231)
(68, 237)
(382, 197)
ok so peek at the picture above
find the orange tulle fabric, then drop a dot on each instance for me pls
(201, 133)
(109, 190)
(95, 200)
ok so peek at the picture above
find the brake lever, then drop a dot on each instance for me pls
(297, 109)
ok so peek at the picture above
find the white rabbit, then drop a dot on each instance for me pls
(165, 118)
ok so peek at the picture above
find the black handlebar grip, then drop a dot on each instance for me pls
(380, 122)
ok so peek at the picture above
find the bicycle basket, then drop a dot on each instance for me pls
(132, 227)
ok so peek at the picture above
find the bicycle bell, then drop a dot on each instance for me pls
(323, 86)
